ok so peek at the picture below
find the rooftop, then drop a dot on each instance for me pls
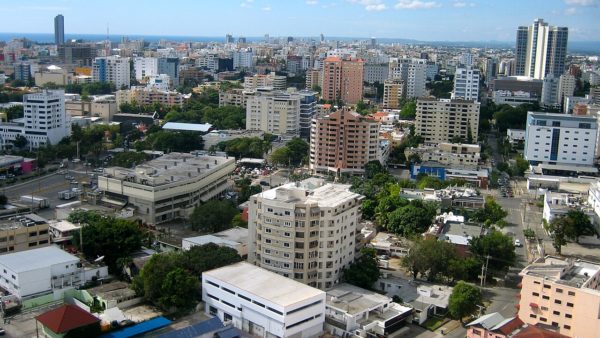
(255, 280)
(66, 318)
(570, 272)
(354, 300)
(230, 237)
(199, 127)
(169, 168)
(36, 259)
(21, 221)
(64, 226)
(312, 191)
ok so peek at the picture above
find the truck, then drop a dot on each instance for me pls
(69, 194)
(35, 201)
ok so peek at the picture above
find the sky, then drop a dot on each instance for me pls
(426, 20)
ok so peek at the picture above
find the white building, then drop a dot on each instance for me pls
(515, 135)
(44, 122)
(234, 238)
(271, 80)
(356, 312)
(159, 82)
(550, 94)
(43, 271)
(145, 67)
(263, 303)
(168, 187)
(444, 120)
(274, 112)
(414, 74)
(375, 72)
(559, 203)
(560, 139)
(304, 230)
(243, 58)
(113, 69)
(514, 99)
(450, 154)
(466, 84)
(541, 50)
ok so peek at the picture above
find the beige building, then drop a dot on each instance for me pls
(393, 91)
(443, 120)
(235, 97)
(343, 142)
(450, 154)
(313, 78)
(145, 96)
(342, 80)
(304, 230)
(277, 82)
(562, 293)
(274, 112)
(25, 232)
(53, 74)
(168, 187)
(103, 108)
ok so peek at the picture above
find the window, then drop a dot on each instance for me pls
(567, 327)
(570, 304)
(557, 301)
(568, 315)
(556, 313)
(545, 297)
(244, 298)
(559, 290)
(542, 319)
(532, 316)
(546, 286)
(535, 294)
(571, 293)
(555, 324)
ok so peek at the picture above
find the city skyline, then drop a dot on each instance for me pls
(400, 19)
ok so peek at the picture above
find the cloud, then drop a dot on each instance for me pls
(266, 8)
(311, 2)
(370, 5)
(570, 11)
(416, 4)
(246, 3)
(459, 4)
(583, 3)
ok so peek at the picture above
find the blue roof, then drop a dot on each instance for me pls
(230, 332)
(207, 326)
(143, 327)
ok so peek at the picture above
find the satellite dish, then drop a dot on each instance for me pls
(99, 259)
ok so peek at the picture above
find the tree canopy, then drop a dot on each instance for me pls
(364, 271)
(253, 147)
(167, 141)
(463, 300)
(569, 226)
(499, 247)
(293, 153)
(492, 212)
(213, 216)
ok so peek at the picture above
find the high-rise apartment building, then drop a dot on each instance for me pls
(274, 112)
(414, 74)
(541, 50)
(59, 30)
(271, 80)
(342, 80)
(44, 120)
(304, 230)
(78, 54)
(22, 71)
(313, 79)
(145, 67)
(566, 87)
(114, 69)
(343, 142)
(308, 109)
(393, 91)
(446, 120)
(563, 294)
(550, 93)
(169, 66)
(466, 84)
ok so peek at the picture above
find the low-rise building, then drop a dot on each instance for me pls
(515, 135)
(356, 312)
(563, 294)
(170, 186)
(513, 98)
(263, 303)
(477, 177)
(61, 232)
(234, 238)
(52, 74)
(493, 325)
(12, 164)
(558, 204)
(43, 271)
(217, 136)
(450, 154)
(147, 96)
(97, 108)
(24, 232)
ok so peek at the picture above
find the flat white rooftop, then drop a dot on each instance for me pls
(312, 191)
(36, 259)
(264, 284)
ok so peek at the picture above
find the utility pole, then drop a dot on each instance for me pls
(487, 260)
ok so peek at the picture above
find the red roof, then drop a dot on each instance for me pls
(533, 331)
(66, 318)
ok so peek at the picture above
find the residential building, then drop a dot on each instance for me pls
(243, 58)
(563, 293)
(263, 303)
(342, 80)
(304, 230)
(356, 312)
(513, 99)
(145, 67)
(23, 71)
(477, 177)
(393, 92)
(169, 66)
(61, 232)
(541, 50)
(331, 79)
(414, 74)
(560, 139)
(550, 94)
(168, 187)
(594, 202)
(274, 112)
(59, 30)
(491, 70)
(308, 109)
(515, 135)
(569, 103)
(159, 82)
(566, 87)
(52, 74)
(113, 69)
(450, 154)
(66, 321)
(78, 54)
(343, 142)
(235, 238)
(446, 120)
(237, 97)
(98, 108)
(43, 271)
(313, 79)
(493, 325)
(559, 203)
(44, 122)
(146, 96)
(271, 80)
(376, 72)
(24, 232)
(466, 84)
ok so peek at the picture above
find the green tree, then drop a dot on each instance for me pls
(411, 219)
(409, 110)
(237, 221)
(373, 168)
(178, 289)
(14, 112)
(430, 258)
(364, 271)
(578, 224)
(20, 141)
(128, 159)
(213, 216)
(492, 212)
(498, 246)
(463, 300)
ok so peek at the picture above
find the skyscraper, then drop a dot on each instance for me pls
(541, 50)
(59, 30)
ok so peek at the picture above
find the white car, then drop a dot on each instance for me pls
(517, 243)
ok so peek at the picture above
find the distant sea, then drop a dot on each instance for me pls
(586, 47)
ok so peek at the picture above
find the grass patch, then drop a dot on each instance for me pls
(434, 323)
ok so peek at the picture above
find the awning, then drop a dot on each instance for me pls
(534, 305)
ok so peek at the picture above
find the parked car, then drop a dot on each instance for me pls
(518, 243)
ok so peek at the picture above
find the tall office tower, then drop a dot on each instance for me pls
(59, 30)
(414, 74)
(275, 112)
(373, 42)
(229, 38)
(351, 89)
(342, 80)
(145, 67)
(308, 109)
(541, 50)
(491, 71)
(393, 91)
(169, 66)
(304, 230)
(114, 69)
(22, 71)
(466, 84)
(445, 120)
(343, 142)
(322, 38)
